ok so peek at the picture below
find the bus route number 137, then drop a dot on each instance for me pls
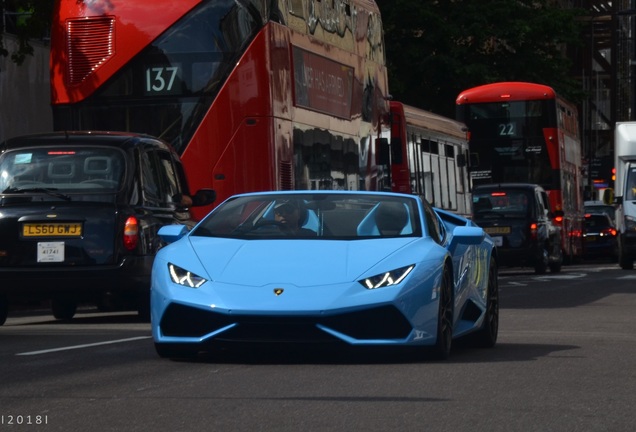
(161, 80)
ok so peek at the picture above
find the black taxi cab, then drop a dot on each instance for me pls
(79, 216)
(519, 219)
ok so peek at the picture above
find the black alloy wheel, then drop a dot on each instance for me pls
(443, 344)
(486, 336)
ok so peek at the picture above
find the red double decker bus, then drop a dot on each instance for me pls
(524, 132)
(253, 94)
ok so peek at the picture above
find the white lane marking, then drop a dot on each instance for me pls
(563, 276)
(83, 346)
(516, 283)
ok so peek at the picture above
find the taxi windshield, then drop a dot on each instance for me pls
(508, 203)
(68, 170)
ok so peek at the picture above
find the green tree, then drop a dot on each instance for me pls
(28, 20)
(437, 48)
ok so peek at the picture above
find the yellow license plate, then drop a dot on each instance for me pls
(497, 230)
(58, 229)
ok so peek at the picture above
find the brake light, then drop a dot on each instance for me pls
(533, 230)
(558, 219)
(131, 233)
(608, 232)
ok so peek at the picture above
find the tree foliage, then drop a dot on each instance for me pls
(437, 48)
(27, 19)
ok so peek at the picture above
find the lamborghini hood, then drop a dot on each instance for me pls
(297, 262)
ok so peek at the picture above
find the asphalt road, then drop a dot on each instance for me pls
(564, 362)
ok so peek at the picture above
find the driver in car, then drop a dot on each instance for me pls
(291, 216)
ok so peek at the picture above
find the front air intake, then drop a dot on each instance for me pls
(90, 43)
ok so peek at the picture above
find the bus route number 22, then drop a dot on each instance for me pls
(162, 80)
(506, 129)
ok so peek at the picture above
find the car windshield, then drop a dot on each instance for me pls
(64, 170)
(508, 203)
(309, 216)
(598, 208)
(597, 222)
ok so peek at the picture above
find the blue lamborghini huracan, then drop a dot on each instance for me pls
(294, 267)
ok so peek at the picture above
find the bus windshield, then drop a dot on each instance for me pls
(508, 142)
(167, 89)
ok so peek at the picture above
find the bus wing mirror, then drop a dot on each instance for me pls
(203, 197)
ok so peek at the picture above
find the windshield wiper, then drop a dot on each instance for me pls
(49, 191)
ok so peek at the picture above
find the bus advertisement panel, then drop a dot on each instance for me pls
(525, 133)
(253, 94)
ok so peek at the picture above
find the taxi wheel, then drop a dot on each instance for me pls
(63, 308)
(4, 308)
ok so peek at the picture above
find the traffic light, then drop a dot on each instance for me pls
(613, 174)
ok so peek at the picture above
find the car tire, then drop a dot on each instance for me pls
(486, 336)
(442, 348)
(175, 351)
(541, 264)
(4, 308)
(63, 308)
(625, 260)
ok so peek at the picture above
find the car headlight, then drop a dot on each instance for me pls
(630, 223)
(389, 278)
(184, 277)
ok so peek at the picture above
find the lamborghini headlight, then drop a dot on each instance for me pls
(184, 277)
(389, 278)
